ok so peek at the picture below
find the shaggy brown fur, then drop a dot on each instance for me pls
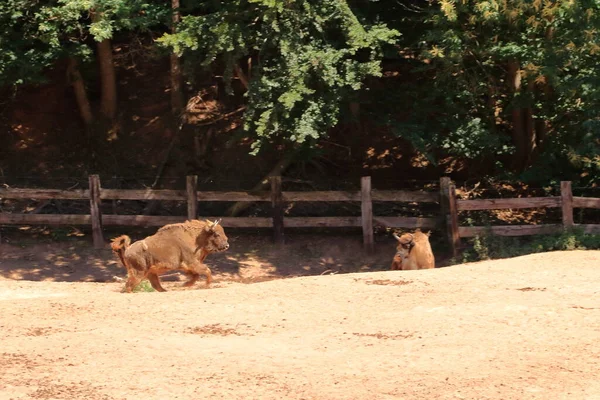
(413, 252)
(182, 246)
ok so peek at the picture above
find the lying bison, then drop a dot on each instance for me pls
(182, 246)
(413, 252)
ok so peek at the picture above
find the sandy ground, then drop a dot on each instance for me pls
(522, 328)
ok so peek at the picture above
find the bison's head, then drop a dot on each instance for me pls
(214, 238)
(406, 242)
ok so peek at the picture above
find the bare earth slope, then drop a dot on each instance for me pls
(522, 328)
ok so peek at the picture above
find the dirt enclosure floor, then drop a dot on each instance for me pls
(522, 328)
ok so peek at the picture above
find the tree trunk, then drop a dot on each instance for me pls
(177, 99)
(108, 80)
(176, 86)
(264, 183)
(518, 117)
(241, 76)
(201, 142)
(530, 132)
(540, 133)
(544, 91)
(108, 105)
(153, 205)
(81, 97)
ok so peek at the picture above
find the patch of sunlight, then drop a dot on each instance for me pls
(61, 263)
(9, 294)
(264, 266)
(370, 153)
(384, 154)
(76, 232)
(420, 160)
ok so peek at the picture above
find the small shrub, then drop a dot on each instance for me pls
(143, 286)
(488, 246)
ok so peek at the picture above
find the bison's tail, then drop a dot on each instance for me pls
(119, 245)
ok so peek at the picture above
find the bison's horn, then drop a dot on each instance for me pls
(396, 237)
(215, 223)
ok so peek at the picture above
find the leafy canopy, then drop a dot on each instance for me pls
(309, 56)
(556, 43)
(35, 33)
(464, 106)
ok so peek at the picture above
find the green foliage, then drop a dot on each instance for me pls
(143, 287)
(488, 246)
(472, 139)
(35, 34)
(23, 54)
(454, 93)
(465, 104)
(309, 57)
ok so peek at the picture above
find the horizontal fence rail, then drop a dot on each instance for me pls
(44, 194)
(95, 194)
(499, 204)
(586, 202)
(523, 230)
(450, 208)
(566, 202)
(181, 195)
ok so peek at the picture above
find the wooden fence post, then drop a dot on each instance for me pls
(566, 197)
(96, 214)
(366, 208)
(277, 204)
(452, 220)
(445, 182)
(191, 187)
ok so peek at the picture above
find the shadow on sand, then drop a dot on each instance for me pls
(252, 257)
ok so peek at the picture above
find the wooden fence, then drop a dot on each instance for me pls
(95, 194)
(450, 208)
(565, 201)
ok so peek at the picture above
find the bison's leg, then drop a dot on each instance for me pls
(396, 263)
(193, 278)
(194, 270)
(132, 281)
(201, 269)
(155, 282)
(208, 275)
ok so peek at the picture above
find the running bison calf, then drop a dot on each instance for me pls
(182, 246)
(413, 252)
